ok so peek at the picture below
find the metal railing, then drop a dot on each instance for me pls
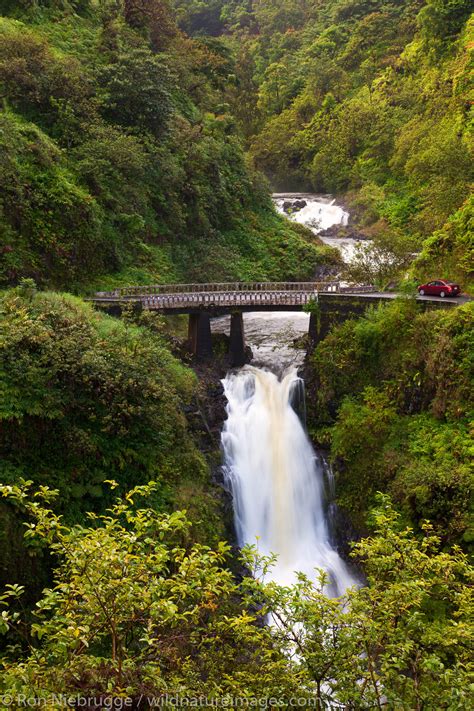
(228, 299)
(169, 296)
(133, 291)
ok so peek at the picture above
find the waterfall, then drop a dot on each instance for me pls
(319, 214)
(276, 479)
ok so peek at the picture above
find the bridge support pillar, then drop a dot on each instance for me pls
(237, 341)
(199, 335)
(314, 326)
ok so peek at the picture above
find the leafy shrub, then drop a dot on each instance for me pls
(138, 89)
(396, 386)
(86, 397)
(133, 600)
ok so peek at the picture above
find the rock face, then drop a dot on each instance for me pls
(328, 272)
(290, 206)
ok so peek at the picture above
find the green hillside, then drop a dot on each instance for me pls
(140, 141)
(119, 155)
(369, 100)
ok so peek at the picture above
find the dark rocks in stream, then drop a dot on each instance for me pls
(326, 272)
(343, 533)
(206, 416)
(290, 206)
(208, 412)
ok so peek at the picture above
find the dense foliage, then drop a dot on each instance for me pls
(370, 99)
(392, 393)
(118, 154)
(136, 612)
(131, 136)
(86, 398)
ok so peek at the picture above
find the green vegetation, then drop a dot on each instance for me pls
(86, 398)
(119, 156)
(392, 394)
(370, 99)
(131, 626)
(132, 133)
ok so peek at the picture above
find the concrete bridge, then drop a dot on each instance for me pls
(336, 302)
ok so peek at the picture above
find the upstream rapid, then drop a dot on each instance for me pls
(276, 478)
(320, 212)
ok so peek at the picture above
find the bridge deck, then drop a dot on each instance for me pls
(179, 297)
(187, 298)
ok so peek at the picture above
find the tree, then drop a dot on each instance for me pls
(197, 17)
(155, 18)
(244, 91)
(136, 607)
(138, 91)
(443, 19)
(380, 260)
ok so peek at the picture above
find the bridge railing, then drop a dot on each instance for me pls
(156, 289)
(359, 289)
(227, 299)
(245, 293)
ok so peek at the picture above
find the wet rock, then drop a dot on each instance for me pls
(299, 204)
(290, 206)
(327, 272)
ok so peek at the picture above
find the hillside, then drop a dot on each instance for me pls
(369, 100)
(293, 534)
(119, 156)
(390, 395)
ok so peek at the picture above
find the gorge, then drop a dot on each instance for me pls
(235, 442)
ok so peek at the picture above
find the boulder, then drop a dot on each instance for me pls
(294, 205)
(299, 204)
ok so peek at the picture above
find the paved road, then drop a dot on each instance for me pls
(463, 299)
(457, 300)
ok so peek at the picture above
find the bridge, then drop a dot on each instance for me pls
(337, 301)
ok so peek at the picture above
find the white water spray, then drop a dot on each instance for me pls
(276, 478)
(319, 214)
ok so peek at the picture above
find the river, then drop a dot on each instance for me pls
(320, 213)
(277, 480)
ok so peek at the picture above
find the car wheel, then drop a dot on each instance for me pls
(421, 292)
(442, 294)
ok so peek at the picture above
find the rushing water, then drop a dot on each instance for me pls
(320, 213)
(276, 478)
(271, 336)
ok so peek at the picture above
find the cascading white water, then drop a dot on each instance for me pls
(276, 478)
(320, 213)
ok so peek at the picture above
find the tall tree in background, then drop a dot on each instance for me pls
(154, 17)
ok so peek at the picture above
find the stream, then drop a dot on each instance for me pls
(320, 213)
(279, 484)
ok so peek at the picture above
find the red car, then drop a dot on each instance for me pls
(439, 288)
